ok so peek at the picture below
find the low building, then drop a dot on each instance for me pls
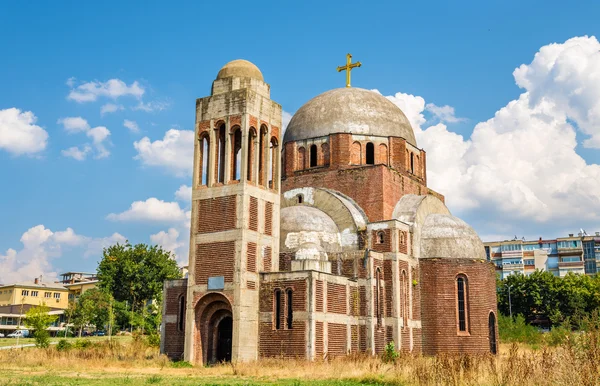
(578, 254)
(17, 299)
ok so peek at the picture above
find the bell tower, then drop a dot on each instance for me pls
(234, 231)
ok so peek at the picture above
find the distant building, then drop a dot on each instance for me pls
(576, 253)
(16, 299)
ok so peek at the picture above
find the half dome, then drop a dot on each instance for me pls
(240, 68)
(349, 110)
(446, 236)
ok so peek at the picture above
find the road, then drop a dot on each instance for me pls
(21, 346)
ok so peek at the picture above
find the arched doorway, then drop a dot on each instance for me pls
(214, 329)
(492, 332)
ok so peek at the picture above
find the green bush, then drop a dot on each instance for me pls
(181, 364)
(82, 343)
(153, 340)
(389, 353)
(42, 338)
(63, 345)
(559, 334)
(516, 330)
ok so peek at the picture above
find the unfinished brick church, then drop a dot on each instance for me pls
(322, 241)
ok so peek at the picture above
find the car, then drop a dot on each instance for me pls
(98, 333)
(1, 335)
(18, 334)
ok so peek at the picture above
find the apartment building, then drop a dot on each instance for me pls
(578, 254)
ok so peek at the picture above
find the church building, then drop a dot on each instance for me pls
(321, 241)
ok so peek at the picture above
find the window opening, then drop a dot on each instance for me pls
(300, 199)
(290, 309)
(180, 317)
(313, 156)
(301, 158)
(251, 138)
(380, 237)
(462, 311)
(412, 163)
(370, 154)
(378, 296)
(236, 164)
(205, 149)
(221, 155)
(277, 309)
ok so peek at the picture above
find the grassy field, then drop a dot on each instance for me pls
(13, 341)
(134, 363)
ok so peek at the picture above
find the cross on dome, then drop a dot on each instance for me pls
(348, 68)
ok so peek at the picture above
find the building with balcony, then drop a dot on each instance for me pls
(578, 254)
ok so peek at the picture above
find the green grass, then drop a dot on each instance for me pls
(13, 341)
(8, 378)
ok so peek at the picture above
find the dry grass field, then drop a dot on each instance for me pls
(575, 362)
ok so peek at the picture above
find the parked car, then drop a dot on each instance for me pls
(19, 334)
(98, 333)
(1, 335)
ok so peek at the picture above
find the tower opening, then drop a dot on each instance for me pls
(221, 154)
(224, 336)
(313, 156)
(236, 161)
(204, 159)
(370, 154)
(249, 163)
(492, 332)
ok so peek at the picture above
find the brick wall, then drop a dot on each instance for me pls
(285, 261)
(214, 259)
(269, 218)
(439, 305)
(216, 214)
(253, 214)
(174, 338)
(379, 245)
(251, 257)
(336, 336)
(336, 298)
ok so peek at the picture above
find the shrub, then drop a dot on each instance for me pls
(42, 338)
(63, 345)
(153, 340)
(389, 354)
(82, 343)
(516, 330)
(181, 364)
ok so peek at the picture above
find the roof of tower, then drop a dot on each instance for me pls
(240, 68)
(349, 110)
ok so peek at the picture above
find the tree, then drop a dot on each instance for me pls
(135, 274)
(39, 319)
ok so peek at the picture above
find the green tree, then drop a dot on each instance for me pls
(136, 274)
(39, 319)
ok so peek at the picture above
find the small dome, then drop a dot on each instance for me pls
(446, 236)
(304, 225)
(240, 68)
(349, 110)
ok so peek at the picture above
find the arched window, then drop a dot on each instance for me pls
(462, 305)
(261, 155)
(300, 198)
(250, 163)
(370, 156)
(378, 296)
(301, 159)
(313, 156)
(492, 333)
(204, 159)
(290, 310)
(273, 162)
(412, 163)
(355, 154)
(325, 151)
(181, 314)
(380, 237)
(383, 154)
(236, 155)
(221, 154)
(277, 309)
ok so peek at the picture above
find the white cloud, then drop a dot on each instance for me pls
(521, 166)
(41, 247)
(113, 88)
(151, 106)
(170, 241)
(152, 209)
(444, 113)
(111, 108)
(285, 120)
(19, 134)
(131, 125)
(98, 135)
(175, 152)
(71, 81)
(77, 153)
(184, 193)
(74, 124)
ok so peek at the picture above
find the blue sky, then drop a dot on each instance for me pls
(448, 66)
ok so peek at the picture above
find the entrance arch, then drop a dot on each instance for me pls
(214, 329)
(492, 332)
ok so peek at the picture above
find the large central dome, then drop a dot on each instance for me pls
(349, 110)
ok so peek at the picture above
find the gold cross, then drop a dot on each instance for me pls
(348, 67)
